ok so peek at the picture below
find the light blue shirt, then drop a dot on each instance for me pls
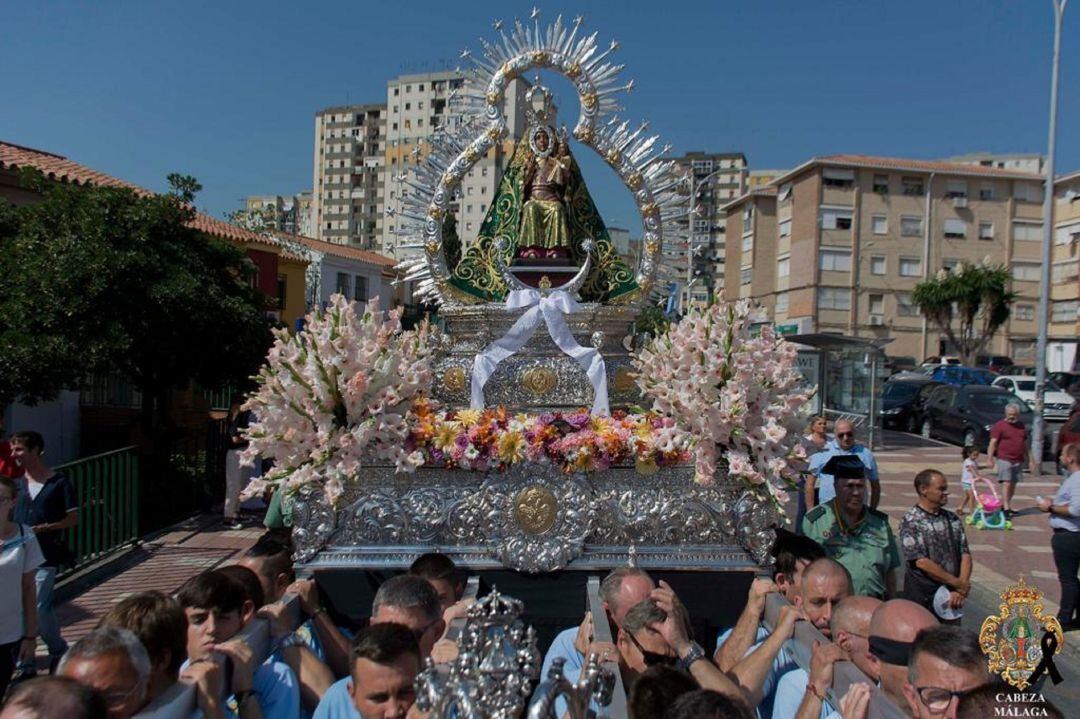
(782, 664)
(276, 690)
(1068, 493)
(789, 695)
(825, 488)
(336, 702)
(561, 648)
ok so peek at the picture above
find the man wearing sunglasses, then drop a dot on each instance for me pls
(946, 663)
(819, 484)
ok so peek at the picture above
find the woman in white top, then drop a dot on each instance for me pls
(20, 556)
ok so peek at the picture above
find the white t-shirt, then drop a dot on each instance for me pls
(18, 555)
(970, 472)
(34, 487)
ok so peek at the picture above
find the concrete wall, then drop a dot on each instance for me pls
(57, 421)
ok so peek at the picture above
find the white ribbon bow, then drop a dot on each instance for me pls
(551, 310)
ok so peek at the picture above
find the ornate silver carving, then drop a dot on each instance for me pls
(595, 684)
(387, 520)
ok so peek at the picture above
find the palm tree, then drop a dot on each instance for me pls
(968, 305)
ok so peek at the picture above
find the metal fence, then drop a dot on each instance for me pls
(108, 489)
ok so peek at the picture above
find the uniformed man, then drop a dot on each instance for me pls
(853, 534)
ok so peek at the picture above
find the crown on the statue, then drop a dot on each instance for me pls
(496, 608)
(545, 114)
(1021, 592)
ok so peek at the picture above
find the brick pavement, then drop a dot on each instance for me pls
(163, 562)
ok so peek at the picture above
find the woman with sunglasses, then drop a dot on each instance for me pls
(20, 556)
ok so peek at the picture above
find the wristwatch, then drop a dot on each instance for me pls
(696, 652)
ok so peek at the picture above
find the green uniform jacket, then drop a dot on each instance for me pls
(867, 550)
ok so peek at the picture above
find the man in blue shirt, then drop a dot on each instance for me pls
(403, 600)
(820, 480)
(380, 685)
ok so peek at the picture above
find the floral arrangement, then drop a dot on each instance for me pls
(736, 394)
(336, 395)
(577, 441)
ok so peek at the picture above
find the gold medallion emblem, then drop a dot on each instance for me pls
(1013, 639)
(454, 379)
(545, 283)
(539, 380)
(535, 509)
(624, 380)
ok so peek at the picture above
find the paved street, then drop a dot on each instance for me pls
(1000, 556)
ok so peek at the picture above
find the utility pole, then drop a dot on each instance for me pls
(1039, 428)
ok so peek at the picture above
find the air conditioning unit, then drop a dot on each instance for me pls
(877, 321)
(959, 202)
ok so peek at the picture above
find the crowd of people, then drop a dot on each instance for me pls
(838, 574)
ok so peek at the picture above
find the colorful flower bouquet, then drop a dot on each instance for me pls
(575, 441)
(736, 394)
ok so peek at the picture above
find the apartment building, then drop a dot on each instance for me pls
(838, 244)
(415, 106)
(289, 213)
(1030, 162)
(760, 178)
(698, 263)
(1064, 325)
(347, 199)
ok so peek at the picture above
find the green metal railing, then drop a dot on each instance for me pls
(108, 490)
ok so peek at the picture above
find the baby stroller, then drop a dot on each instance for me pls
(988, 514)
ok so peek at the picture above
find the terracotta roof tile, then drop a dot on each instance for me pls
(61, 169)
(333, 248)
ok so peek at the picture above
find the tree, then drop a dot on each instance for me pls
(968, 305)
(104, 279)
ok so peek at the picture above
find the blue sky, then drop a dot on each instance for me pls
(227, 91)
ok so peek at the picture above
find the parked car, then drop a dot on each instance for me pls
(1068, 381)
(951, 374)
(941, 361)
(900, 364)
(902, 401)
(964, 415)
(1056, 403)
(1020, 369)
(1068, 434)
(994, 363)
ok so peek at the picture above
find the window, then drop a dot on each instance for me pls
(282, 287)
(986, 191)
(748, 243)
(468, 226)
(783, 267)
(408, 105)
(748, 218)
(745, 275)
(1064, 311)
(360, 291)
(910, 267)
(408, 88)
(877, 304)
(835, 219)
(1067, 234)
(911, 185)
(910, 226)
(781, 303)
(834, 177)
(949, 263)
(1026, 271)
(785, 192)
(956, 188)
(342, 286)
(877, 265)
(702, 227)
(880, 224)
(956, 229)
(881, 184)
(1024, 312)
(1027, 231)
(986, 230)
(904, 306)
(785, 228)
(836, 260)
(834, 298)
(1027, 192)
(1063, 271)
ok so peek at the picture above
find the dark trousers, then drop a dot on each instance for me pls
(1066, 547)
(7, 666)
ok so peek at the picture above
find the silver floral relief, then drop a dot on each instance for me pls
(533, 518)
(313, 522)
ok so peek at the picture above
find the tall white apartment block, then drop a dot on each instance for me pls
(347, 190)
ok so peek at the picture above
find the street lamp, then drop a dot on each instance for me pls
(1039, 428)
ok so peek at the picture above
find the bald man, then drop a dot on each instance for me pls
(893, 629)
(823, 584)
(799, 694)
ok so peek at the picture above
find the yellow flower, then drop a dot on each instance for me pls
(445, 436)
(646, 467)
(469, 417)
(511, 447)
